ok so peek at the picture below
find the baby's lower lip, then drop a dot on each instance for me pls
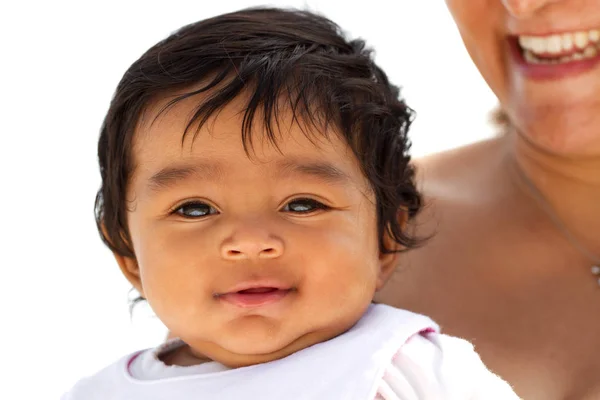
(255, 298)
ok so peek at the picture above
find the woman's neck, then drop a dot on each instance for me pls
(568, 188)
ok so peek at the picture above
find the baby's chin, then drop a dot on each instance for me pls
(251, 351)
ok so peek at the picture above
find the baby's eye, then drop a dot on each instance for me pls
(195, 209)
(304, 206)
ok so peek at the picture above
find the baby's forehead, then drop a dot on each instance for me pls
(220, 148)
(172, 129)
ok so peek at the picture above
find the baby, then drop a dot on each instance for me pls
(255, 189)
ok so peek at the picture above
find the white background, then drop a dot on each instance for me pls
(64, 311)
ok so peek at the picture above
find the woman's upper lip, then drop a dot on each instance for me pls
(550, 31)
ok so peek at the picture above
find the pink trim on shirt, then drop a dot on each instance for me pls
(131, 360)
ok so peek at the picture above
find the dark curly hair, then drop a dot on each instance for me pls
(270, 55)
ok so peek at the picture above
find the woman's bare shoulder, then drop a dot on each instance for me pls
(448, 173)
(461, 191)
(460, 187)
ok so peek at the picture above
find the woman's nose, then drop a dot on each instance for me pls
(525, 8)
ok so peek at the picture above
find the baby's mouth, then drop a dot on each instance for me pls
(255, 297)
(255, 294)
(560, 48)
(259, 290)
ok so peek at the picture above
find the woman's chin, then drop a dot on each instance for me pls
(570, 139)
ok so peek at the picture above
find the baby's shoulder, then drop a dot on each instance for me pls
(105, 384)
(449, 367)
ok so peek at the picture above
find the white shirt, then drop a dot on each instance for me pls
(390, 354)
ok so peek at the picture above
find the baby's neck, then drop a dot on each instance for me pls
(180, 354)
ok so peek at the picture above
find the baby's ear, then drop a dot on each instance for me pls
(129, 267)
(388, 261)
(387, 265)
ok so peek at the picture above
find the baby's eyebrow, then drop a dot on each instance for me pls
(169, 176)
(322, 170)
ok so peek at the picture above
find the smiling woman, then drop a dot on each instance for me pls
(515, 260)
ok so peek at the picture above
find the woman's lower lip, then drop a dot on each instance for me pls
(550, 71)
(253, 300)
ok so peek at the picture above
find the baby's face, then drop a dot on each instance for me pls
(249, 259)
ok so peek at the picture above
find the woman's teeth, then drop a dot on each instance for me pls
(588, 52)
(563, 48)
